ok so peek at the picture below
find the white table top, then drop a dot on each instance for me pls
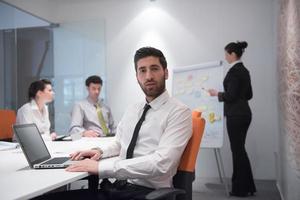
(18, 181)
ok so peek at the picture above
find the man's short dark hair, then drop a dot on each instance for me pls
(149, 51)
(93, 79)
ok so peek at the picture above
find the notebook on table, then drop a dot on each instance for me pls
(35, 149)
(72, 137)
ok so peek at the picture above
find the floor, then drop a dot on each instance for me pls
(266, 190)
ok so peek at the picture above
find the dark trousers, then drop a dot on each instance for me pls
(242, 178)
(128, 192)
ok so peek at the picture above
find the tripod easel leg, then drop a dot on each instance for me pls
(221, 169)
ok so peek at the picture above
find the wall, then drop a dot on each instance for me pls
(17, 18)
(188, 32)
(79, 52)
(15, 53)
(9, 75)
(32, 44)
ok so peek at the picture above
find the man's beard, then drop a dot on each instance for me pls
(156, 91)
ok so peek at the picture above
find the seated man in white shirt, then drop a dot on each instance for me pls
(150, 140)
(91, 117)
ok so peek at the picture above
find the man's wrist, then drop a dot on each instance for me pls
(99, 150)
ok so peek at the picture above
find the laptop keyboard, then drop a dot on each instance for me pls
(58, 160)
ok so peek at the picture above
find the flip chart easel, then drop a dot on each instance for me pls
(190, 85)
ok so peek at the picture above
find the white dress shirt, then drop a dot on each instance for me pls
(161, 141)
(235, 62)
(84, 117)
(30, 113)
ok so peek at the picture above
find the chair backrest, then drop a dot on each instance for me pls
(186, 171)
(7, 119)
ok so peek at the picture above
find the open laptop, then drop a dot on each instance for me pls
(35, 150)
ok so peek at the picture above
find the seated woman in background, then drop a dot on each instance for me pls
(36, 111)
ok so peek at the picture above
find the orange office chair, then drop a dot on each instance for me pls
(7, 119)
(185, 175)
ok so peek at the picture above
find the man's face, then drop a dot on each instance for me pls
(94, 90)
(151, 77)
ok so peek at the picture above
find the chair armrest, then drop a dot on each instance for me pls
(163, 193)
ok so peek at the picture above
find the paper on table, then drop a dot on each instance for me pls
(8, 145)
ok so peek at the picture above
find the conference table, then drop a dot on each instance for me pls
(19, 181)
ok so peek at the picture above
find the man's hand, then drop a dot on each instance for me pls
(92, 154)
(86, 165)
(53, 135)
(90, 133)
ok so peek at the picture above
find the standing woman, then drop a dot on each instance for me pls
(237, 92)
(36, 111)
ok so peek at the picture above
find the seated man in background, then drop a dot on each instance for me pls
(91, 117)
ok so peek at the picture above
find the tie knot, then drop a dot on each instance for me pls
(147, 107)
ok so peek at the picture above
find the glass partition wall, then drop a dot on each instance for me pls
(25, 54)
(32, 48)
(79, 52)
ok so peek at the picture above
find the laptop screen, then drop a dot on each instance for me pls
(32, 143)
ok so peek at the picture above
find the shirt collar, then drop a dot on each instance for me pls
(94, 103)
(34, 105)
(160, 100)
(235, 62)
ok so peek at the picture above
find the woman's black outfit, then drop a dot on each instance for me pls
(237, 92)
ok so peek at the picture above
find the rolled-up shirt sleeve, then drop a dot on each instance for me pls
(77, 116)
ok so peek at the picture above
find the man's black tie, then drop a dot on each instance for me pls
(135, 135)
